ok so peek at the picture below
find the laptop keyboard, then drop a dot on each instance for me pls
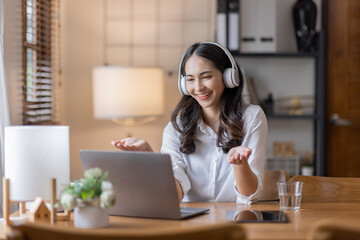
(187, 211)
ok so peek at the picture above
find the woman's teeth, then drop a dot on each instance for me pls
(203, 96)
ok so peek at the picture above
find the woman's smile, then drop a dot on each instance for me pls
(203, 96)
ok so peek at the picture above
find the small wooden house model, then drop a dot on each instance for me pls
(39, 211)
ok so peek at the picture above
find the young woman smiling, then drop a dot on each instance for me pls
(217, 143)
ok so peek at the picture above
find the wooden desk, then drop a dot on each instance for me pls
(300, 221)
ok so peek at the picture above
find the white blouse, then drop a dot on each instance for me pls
(205, 175)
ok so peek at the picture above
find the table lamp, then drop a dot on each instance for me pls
(128, 95)
(33, 156)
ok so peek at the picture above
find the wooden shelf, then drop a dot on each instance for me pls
(318, 116)
(277, 55)
(287, 116)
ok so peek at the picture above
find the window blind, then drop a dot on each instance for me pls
(41, 64)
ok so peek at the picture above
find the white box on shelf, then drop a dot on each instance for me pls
(266, 33)
(248, 25)
(291, 164)
(266, 26)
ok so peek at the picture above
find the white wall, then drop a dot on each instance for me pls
(13, 61)
(155, 33)
(13, 57)
(83, 46)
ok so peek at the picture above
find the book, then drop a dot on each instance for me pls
(221, 22)
(234, 25)
(249, 92)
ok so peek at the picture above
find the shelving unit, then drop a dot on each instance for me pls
(319, 111)
(290, 163)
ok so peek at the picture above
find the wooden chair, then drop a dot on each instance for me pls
(335, 229)
(41, 231)
(271, 177)
(329, 189)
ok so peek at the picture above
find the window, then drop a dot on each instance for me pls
(40, 52)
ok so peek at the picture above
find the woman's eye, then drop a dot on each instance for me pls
(189, 79)
(207, 77)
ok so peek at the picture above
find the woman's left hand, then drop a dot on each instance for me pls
(237, 155)
(132, 144)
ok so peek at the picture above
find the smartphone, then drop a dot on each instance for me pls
(250, 216)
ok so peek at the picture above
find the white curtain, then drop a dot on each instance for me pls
(4, 106)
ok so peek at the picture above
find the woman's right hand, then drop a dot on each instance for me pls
(132, 144)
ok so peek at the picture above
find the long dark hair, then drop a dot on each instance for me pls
(230, 131)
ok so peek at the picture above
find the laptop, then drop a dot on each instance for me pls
(144, 183)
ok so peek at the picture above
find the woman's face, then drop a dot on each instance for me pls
(204, 82)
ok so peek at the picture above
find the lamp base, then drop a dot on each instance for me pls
(22, 204)
(6, 200)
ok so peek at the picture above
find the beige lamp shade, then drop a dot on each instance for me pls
(34, 155)
(127, 92)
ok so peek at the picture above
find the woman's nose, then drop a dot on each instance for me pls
(198, 85)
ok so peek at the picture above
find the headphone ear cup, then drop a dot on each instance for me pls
(236, 79)
(231, 78)
(227, 77)
(182, 86)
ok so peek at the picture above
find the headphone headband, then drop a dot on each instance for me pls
(230, 56)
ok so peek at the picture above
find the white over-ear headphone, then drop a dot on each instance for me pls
(230, 75)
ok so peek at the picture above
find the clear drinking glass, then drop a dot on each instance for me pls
(290, 195)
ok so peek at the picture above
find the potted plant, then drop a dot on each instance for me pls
(90, 197)
(307, 167)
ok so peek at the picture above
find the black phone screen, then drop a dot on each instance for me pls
(250, 216)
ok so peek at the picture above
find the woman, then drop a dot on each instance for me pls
(217, 143)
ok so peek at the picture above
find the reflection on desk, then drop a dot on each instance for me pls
(251, 216)
(300, 222)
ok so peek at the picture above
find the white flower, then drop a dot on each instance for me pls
(93, 173)
(106, 186)
(86, 192)
(107, 199)
(68, 201)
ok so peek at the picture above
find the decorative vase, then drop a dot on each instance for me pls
(304, 17)
(307, 170)
(269, 105)
(91, 217)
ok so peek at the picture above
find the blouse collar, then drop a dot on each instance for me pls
(206, 129)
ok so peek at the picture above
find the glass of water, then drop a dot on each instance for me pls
(290, 195)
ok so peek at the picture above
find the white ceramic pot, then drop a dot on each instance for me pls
(307, 170)
(91, 217)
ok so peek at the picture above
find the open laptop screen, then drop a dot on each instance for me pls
(144, 182)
